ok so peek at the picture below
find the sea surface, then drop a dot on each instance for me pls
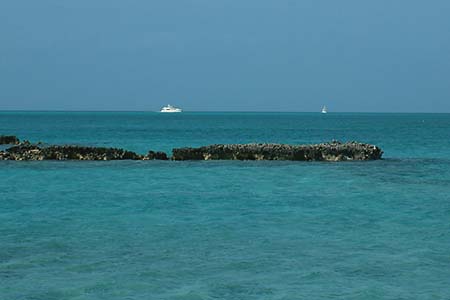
(227, 229)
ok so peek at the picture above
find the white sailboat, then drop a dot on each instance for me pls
(170, 109)
(324, 109)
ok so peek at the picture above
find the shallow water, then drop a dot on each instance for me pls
(227, 229)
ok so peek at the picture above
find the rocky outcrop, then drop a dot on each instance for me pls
(334, 151)
(156, 155)
(28, 151)
(9, 139)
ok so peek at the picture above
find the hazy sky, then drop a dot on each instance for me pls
(225, 55)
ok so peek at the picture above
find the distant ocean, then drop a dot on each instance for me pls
(227, 229)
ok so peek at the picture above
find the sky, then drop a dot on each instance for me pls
(225, 55)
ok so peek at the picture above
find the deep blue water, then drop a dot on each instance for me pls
(227, 229)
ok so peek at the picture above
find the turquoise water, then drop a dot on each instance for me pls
(227, 229)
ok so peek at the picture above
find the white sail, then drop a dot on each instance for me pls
(324, 109)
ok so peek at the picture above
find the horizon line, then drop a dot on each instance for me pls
(224, 111)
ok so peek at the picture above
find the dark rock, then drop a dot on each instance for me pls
(27, 151)
(9, 139)
(156, 155)
(334, 151)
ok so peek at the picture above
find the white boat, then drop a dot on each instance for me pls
(324, 109)
(170, 109)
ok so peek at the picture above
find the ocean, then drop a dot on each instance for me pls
(227, 229)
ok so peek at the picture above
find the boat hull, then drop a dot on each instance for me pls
(171, 111)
